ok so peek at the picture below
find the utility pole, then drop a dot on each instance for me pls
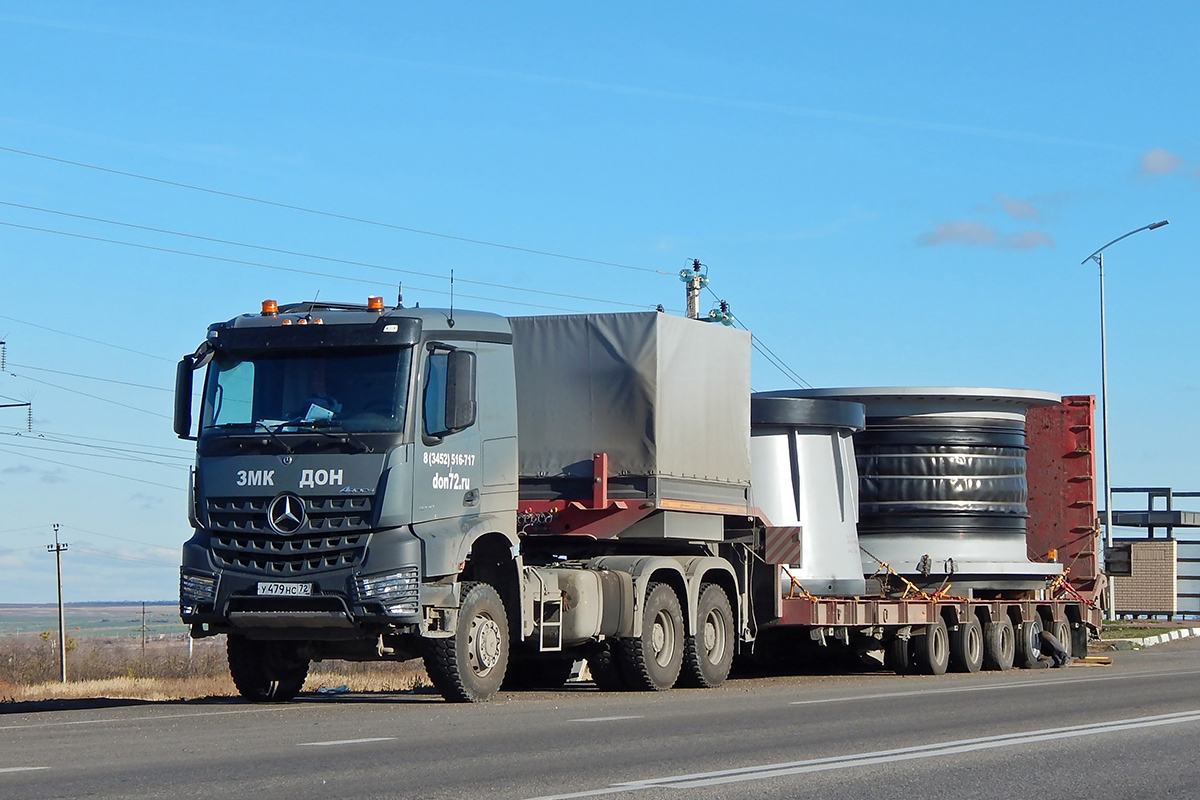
(57, 548)
(143, 630)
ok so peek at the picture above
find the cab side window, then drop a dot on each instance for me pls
(449, 398)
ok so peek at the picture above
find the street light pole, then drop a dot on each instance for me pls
(1098, 257)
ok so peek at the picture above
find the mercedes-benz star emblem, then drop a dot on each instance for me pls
(286, 514)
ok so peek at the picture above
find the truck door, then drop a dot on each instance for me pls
(447, 477)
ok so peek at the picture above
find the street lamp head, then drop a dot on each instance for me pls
(1158, 225)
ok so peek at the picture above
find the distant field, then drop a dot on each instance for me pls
(88, 620)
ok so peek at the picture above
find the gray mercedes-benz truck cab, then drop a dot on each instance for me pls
(346, 466)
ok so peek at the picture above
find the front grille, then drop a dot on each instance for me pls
(325, 515)
(275, 555)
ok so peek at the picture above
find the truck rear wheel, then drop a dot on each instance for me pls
(265, 672)
(605, 667)
(999, 645)
(966, 647)
(469, 666)
(897, 656)
(651, 662)
(708, 654)
(1029, 643)
(931, 652)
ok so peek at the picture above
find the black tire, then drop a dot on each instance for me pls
(265, 672)
(708, 653)
(1079, 640)
(999, 645)
(537, 673)
(1029, 644)
(605, 667)
(897, 656)
(966, 647)
(469, 666)
(931, 651)
(652, 662)
(1062, 632)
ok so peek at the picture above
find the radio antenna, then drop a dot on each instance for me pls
(450, 321)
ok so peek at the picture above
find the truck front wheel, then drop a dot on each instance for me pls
(651, 662)
(469, 666)
(265, 672)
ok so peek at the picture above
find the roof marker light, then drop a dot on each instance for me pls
(374, 303)
(269, 308)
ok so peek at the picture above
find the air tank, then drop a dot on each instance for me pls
(942, 484)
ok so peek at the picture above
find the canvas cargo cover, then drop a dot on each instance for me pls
(662, 395)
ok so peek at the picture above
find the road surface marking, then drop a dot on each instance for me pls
(603, 719)
(113, 720)
(768, 771)
(347, 741)
(21, 769)
(923, 692)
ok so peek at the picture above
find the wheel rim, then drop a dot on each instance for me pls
(662, 639)
(974, 644)
(714, 636)
(483, 645)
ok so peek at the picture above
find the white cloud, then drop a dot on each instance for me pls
(960, 232)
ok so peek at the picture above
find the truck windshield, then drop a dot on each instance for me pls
(290, 391)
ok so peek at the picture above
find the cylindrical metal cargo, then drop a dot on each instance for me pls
(942, 483)
(804, 482)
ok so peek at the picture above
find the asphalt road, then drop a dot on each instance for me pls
(1124, 731)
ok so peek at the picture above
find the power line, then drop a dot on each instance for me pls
(89, 469)
(117, 538)
(170, 450)
(92, 396)
(334, 215)
(299, 254)
(40, 448)
(765, 351)
(242, 262)
(84, 338)
(92, 377)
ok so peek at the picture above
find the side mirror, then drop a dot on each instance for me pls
(183, 396)
(461, 408)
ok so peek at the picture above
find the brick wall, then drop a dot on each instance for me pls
(1152, 586)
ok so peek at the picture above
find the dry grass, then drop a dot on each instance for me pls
(165, 670)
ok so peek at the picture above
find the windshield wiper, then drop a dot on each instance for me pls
(321, 426)
(273, 433)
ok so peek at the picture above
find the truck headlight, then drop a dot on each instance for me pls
(399, 592)
(195, 589)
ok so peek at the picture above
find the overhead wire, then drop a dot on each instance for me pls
(4, 449)
(92, 377)
(763, 350)
(295, 270)
(331, 214)
(33, 445)
(331, 259)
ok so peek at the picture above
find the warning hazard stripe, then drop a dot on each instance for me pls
(782, 545)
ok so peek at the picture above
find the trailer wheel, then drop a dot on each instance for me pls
(966, 647)
(999, 645)
(897, 656)
(1062, 632)
(605, 667)
(931, 652)
(1029, 643)
(265, 672)
(709, 651)
(651, 662)
(469, 666)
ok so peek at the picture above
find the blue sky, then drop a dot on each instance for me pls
(886, 194)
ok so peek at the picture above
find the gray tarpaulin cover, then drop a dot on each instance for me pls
(662, 395)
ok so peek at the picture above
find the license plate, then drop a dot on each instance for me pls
(285, 589)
